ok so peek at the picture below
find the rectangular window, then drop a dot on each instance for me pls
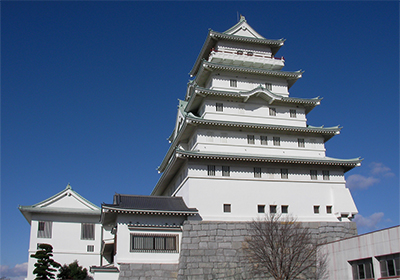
(362, 269)
(300, 143)
(87, 231)
(277, 141)
(272, 209)
(263, 140)
(257, 172)
(329, 209)
(325, 174)
(162, 243)
(211, 170)
(226, 171)
(390, 265)
(272, 111)
(292, 113)
(44, 229)
(285, 209)
(219, 107)
(284, 173)
(316, 209)
(233, 83)
(261, 208)
(90, 248)
(250, 139)
(227, 208)
(268, 86)
(313, 174)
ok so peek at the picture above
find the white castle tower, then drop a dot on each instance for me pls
(242, 147)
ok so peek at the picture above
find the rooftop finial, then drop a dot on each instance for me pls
(242, 18)
(68, 186)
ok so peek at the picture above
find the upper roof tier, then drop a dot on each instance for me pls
(241, 32)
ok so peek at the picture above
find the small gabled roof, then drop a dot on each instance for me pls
(198, 94)
(149, 204)
(240, 32)
(65, 202)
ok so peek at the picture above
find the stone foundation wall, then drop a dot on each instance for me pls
(139, 271)
(213, 250)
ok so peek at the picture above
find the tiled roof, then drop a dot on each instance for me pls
(149, 203)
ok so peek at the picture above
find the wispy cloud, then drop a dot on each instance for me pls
(377, 171)
(357, 181)
(18, 272)
(370, 222)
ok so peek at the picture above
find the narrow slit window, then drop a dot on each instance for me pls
(211, 170)
(313, 174)
(272, 111)
(250, 139)
(325, 174)
(293, 113)
(263, 140)
(233, 83)
(226, 171)
(316, 209)
(277, 141)
(329, 209)
(219, 107)
(300, 142)
(284, 173)
(257, 172)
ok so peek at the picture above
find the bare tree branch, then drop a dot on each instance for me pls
(283, 249)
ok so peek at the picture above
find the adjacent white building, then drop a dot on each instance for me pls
(70, 223)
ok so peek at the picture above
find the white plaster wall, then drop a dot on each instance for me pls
(66, 240)
(235, 142)
(124, 255)
(235, 46)
(253, 111)
(244, 192)
(221, 81)
(370, 245)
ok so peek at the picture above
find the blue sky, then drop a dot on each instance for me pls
(90, 89)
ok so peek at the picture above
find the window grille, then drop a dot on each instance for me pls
(292, 113)
(272, 111)
(211, 170)
(90, 248)
(154, 243)
(233, 83)
(277, 141)
(226, 171)
(87, 231)
(313, 174)
(390, 265)
(263, 140)
(284, 173)
(268, 86)
(44, 229)
(325, 174)
(250, 139)
(300, 142)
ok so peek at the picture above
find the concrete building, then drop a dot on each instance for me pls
(374, 255)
